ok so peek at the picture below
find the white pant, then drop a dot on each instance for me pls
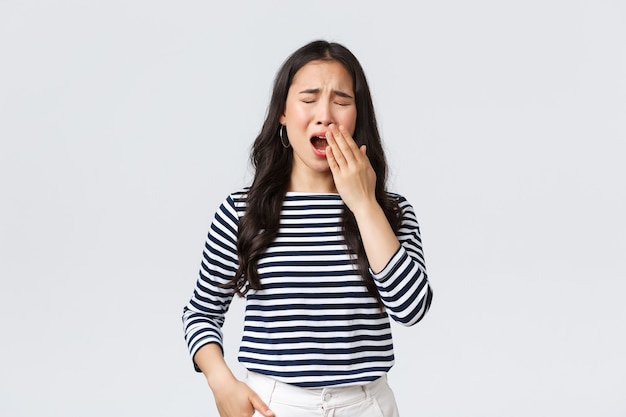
(374, 399)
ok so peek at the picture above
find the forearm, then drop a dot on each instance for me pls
(379, 240)
(401, 276)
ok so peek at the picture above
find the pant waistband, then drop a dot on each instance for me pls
(328, 397)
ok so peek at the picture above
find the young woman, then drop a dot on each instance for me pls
(319, 248)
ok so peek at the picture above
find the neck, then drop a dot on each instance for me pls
(319, 184)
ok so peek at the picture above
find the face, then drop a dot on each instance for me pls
(321, 93)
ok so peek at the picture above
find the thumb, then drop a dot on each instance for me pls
(260, 406)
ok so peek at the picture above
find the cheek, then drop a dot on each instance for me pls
(293, 110)
(349, 121)
(298, 114)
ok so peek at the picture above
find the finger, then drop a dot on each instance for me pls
(342, 132)
(330, 157)
(346, 138)
(335, 151)
(332, 162)
(345, 142)
(260, 406)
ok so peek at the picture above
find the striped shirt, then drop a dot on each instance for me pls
(313, 322)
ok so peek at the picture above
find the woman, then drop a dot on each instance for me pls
(323, 253)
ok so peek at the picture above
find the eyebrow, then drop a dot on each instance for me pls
(317, 90)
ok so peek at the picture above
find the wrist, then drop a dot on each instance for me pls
(367, 210)
(219, 377)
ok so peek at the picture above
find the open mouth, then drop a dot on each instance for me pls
(319, 142)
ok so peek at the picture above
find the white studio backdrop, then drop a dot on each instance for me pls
(123, 125)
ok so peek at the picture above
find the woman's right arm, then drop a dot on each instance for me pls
(204, 316)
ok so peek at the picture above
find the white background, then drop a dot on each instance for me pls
(123, 125)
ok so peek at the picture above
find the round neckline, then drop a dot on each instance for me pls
(296, 193)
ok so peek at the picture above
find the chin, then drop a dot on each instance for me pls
(321, 167)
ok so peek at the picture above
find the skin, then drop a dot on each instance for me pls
(320, 101)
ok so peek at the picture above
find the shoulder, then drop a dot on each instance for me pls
(407, 212)
(234, 203)
(399, 199)
(239, 197)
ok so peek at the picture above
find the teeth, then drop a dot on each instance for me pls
(319, 142)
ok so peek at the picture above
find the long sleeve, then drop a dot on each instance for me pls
(403, 283)
(203, 316)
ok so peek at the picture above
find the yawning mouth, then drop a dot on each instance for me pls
(319, 142)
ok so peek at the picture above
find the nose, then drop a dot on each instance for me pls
(324, 114)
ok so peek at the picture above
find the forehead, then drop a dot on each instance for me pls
(317, 74)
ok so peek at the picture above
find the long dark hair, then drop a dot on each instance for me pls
(272, 163)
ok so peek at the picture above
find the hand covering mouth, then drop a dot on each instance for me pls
(319, 142)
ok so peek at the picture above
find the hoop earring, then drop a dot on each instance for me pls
(282, 139)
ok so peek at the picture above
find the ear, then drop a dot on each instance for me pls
(283, 120)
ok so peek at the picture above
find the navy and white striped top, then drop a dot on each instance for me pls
(313, 323)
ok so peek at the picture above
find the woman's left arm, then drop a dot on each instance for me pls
(403, 283)
(396, 262)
